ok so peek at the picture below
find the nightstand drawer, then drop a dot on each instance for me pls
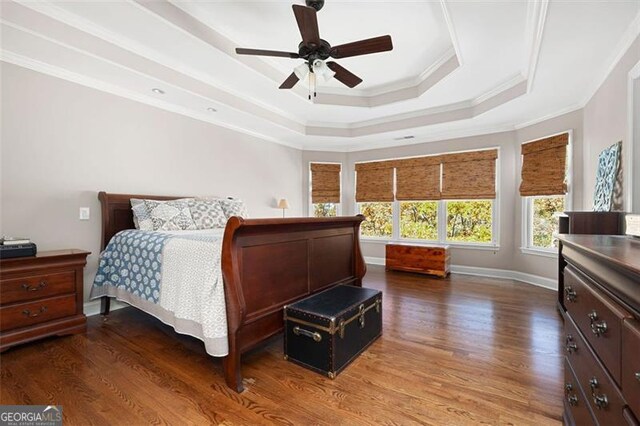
(36, 287)
(42, 310)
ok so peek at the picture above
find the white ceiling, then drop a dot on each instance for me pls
(457, 68)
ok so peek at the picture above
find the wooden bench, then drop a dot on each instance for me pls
(432, 260)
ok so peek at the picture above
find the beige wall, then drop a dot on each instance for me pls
(62, 143)
(605, 120)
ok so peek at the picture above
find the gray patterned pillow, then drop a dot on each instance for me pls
(141, 218)
(233, 207)
(171, 215)
(207, 214)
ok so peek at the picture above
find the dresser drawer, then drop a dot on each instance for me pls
(574, 399)
(631, 364)
(602, 394)
(36, 312)
(37, 286)
(597, 316)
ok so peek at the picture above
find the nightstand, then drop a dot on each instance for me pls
(41, 296)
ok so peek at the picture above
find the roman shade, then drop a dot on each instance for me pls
(325, 183)
(544, 165)
(469, 175)
(418, 179)
(374, 182)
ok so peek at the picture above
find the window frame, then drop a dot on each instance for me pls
(526, 238)
(310, 203)
(494, 245)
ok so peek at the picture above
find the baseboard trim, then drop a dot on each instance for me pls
(490, 273)
(93, 307)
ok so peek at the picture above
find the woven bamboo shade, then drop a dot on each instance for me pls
(469, 175)
(418, 179)
(544, 165)
(325, 183)
(374, 182)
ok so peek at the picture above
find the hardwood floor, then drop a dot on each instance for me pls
(461, 350)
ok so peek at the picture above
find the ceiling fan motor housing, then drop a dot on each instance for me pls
(316, 4)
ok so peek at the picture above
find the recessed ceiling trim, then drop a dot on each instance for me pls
(83, 80)
(536, 19)
(71, 31)
(192, 25)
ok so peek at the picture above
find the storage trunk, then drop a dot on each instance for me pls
(328, 330)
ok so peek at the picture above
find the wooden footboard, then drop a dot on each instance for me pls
(266, 264)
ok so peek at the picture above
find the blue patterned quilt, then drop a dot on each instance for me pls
(133, 261)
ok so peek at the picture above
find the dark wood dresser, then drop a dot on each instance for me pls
(600, 303)
(41, 296)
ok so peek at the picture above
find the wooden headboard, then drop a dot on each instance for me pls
(117, 215)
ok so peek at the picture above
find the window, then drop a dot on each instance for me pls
(469, 221)
(546, 179)
(419, 220)
(325, 209)
(379, 219)
(544, 213)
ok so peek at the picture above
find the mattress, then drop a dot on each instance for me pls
(175, 276)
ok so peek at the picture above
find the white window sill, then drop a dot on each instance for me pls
(487, 247)
(553, 253)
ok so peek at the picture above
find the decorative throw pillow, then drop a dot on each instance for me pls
(141, 218)
(233, 207)
(173, 215)
(207, 214)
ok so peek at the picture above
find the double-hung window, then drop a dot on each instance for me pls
(544, 190)
(445, 199)
(324, 185)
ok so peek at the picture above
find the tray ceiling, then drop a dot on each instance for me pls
(457, 68)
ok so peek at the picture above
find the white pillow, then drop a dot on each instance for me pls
(141, 218)
(207, 213)
(173, 215)
(234, 207)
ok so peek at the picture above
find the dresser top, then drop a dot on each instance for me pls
(44, 256)
(620, 250)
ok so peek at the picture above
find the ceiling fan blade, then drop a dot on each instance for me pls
(308, 25)
(343, 75)
(260, 52)
(362, 47)
(290, 81)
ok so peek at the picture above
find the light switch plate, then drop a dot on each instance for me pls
(85, 213)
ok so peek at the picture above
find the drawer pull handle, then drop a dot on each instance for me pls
(570, 346)
(570, 294)
(599, 328)
(29, 314)
(571, 399)
(361, 312)
(593, 316)
(29, 287)
(638, 377)
(601, 401)
(301, 331)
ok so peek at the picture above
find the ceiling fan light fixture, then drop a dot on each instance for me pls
(301, 71)
(321, 69)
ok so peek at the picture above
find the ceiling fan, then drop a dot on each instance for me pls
(315, 51)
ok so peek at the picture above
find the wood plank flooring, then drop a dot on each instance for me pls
(461, 350)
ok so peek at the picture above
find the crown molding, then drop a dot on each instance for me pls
(399, 91)
(41, 67)
(536, 19)
(629, 37)
(241, 101)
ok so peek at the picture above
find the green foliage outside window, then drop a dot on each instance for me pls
(378, 221)
(469, 221)
(545, 221)
(325, 210)
(419, 220)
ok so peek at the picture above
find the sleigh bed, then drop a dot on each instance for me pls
(266, 264)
